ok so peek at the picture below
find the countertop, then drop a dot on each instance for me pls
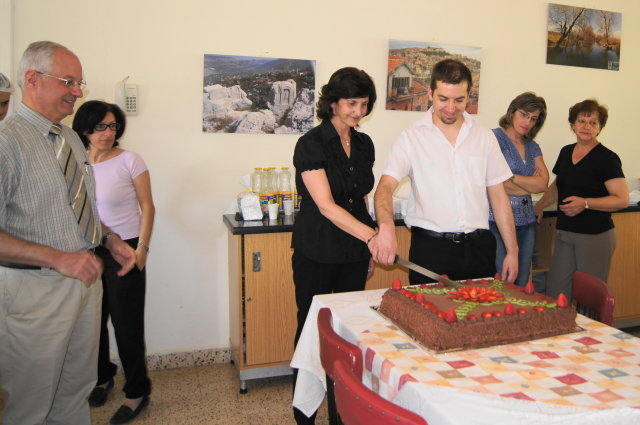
(237, 226)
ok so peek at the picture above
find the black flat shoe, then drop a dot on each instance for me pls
(100, 395)
(125, 414)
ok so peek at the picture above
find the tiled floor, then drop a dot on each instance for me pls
(206, 395)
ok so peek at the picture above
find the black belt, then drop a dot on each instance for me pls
(454, 237)
(18, 265)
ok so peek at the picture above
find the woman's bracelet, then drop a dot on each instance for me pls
(374, 235)
(144, 246)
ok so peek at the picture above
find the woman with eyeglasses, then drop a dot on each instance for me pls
(588, 187)
(125, 205)
(518, 127)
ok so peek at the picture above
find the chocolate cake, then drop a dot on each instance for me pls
(483, 313)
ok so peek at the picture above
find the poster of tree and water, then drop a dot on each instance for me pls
(578, 36)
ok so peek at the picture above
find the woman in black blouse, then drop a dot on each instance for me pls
(589, 185)
(333, 232)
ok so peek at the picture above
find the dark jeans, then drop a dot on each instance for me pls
(526, 236)
(123, 300)
(458, 260)
(312, 278)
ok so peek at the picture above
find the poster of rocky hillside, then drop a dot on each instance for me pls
(244, 94)
(409, 72)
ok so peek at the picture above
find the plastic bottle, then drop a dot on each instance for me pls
(267, 194)
(256, 179)
(284, 187)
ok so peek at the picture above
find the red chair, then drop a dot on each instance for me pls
(358, 405)
(594, 297)
(333, 347)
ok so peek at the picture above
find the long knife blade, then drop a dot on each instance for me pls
(416, 268)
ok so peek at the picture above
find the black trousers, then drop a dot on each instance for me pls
(312, 278)
(123, 301)
(458, 260)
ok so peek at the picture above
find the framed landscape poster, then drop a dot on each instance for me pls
(245, 94)
(409, 72)
(589, 38)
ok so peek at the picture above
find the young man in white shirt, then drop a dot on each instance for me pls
(456, 168)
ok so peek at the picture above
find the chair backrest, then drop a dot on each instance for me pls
(333, 347)
(594, 297)
(358, 405)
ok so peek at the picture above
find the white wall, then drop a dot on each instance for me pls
(160, 45)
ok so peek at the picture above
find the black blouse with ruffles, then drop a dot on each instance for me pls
(350, 179)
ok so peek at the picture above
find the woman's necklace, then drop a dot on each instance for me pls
(346, 142)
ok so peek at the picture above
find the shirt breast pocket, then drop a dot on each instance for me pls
(477, 171)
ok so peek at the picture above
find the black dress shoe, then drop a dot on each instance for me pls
(99, 395)
(125, 414)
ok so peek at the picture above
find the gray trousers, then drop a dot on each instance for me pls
(576, 251)
(49, 332)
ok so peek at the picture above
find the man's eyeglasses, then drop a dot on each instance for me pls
(114, 126)
(526, 116)
(68, 82)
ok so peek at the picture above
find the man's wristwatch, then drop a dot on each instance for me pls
(106, 236)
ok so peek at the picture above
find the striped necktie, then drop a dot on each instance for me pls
(76, 188)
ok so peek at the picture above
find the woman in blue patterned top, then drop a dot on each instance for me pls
(518, 127)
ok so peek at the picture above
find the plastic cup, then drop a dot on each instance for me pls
(273, 211)
(288, 207)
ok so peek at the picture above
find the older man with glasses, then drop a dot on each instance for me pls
(49, 227)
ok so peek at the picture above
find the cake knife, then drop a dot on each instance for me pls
(416, 268)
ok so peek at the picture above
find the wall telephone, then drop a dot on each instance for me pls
(127, 97)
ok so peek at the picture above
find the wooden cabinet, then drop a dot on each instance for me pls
(262, 300)
(625, 265)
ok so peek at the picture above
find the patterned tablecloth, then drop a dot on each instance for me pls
(590, 377)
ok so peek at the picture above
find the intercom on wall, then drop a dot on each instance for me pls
(127, 97)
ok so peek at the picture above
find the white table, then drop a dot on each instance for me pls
(439, 404)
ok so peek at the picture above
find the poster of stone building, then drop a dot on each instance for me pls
(409, 72)
(245, 94)
(588, 38)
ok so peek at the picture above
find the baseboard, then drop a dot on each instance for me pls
(184, 359)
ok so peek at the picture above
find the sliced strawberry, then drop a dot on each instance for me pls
(521, 310)
(541, 297)
(470, 282)
(538, 308)
(520, 289)
(528, 288)
(487, 314)
(471, 317)
(496, 313)
(442, 314)
(562, 301)
(424, 286)
(509, 310)
(451, 316)
(497, 277)
(442, 284)
(420, 298)
(427, 302)
(445, 276)
(396, 285)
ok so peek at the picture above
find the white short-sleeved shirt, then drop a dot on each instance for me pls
(448, 183)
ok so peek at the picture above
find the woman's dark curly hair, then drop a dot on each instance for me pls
(91, 113)
(588, 107)
(345, 83)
